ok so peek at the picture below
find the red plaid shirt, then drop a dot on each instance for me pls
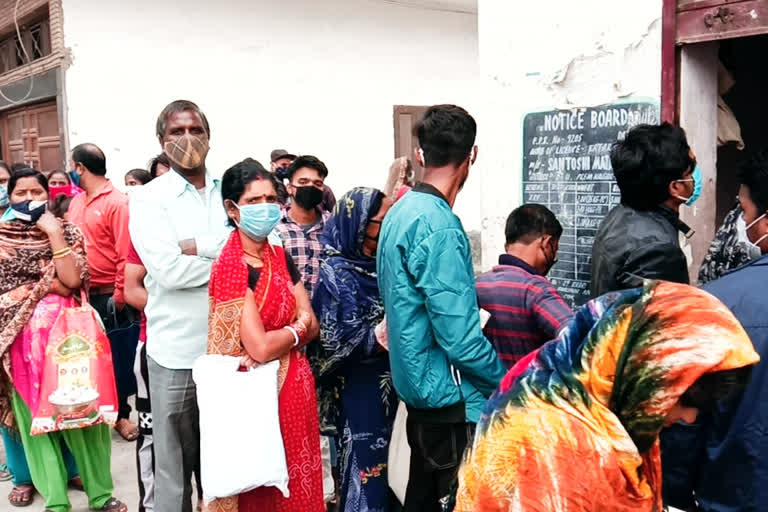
(304, 248)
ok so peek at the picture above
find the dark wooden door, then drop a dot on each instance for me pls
(406, 117)
(30, 135)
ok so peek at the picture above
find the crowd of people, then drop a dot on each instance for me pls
(648, 396)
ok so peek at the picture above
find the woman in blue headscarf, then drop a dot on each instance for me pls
(356, 396)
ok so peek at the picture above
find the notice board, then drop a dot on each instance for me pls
(567, 167)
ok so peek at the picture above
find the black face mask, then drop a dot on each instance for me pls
(308, 197)
(281, 173)
(29, 211)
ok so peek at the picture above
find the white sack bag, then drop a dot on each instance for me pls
(399, 460)
(241, 447)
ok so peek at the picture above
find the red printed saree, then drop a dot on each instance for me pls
(296, 401)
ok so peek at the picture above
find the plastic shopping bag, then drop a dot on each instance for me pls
(399, 462)
(77, 388)
(241, 446)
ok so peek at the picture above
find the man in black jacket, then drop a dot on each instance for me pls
(656, 173)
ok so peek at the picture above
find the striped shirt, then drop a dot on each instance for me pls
(526, 310)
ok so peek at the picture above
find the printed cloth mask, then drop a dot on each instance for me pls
(258, 220)
(188, 151)
(308, 197)
(26, 211)
(4, 201)
(752, 247)
(698, 182)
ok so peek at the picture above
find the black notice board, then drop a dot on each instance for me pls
(567, 167)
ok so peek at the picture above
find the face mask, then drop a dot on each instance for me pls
(698, 183)
(281, 173)
(752, 247)
(67, 190)
(308, 197)
(551, 261)
(753, 251)
(26, 211)
(258, 220)
(74, 177)
(188, 151)
(4, 202)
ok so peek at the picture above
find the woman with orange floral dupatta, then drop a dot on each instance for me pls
(575, 426)
(260, 311)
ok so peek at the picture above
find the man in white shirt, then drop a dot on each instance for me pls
(178, 226)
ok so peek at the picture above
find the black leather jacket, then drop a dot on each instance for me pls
(633, 245)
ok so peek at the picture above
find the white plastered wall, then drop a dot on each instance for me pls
(314, 77)
(560, 54)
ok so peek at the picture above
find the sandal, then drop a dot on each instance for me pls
(127, 429)
(5, 474)
(77, 484)
(21, 495)
(112, 505)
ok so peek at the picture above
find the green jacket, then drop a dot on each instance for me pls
(433, 321)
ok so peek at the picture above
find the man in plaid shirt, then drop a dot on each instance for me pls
(303, 221)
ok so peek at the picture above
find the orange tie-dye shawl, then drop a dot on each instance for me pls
(578, 429)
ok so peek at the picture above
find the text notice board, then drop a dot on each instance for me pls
(567, 167)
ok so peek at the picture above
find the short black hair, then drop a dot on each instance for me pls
(175, 107)
(63, 173)
(140, 175)
(312, 162)
(446, 135)
(237, 178)
(91, 157)
(5, 166)
(713, 387)
(26, 172)
(648, 159)
(161, 159)
(754, 176)
(531, 221)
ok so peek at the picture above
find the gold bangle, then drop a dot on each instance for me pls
(61, 251)
(61, 254)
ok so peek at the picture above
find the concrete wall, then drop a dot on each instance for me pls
(560, 54)
(317, 77)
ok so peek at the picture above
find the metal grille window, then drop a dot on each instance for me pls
(35, 39)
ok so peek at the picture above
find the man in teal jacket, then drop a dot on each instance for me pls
(443, 367)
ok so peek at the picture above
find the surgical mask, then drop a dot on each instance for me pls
(26, 211)
(74, 177)
(4, 201)
(698, 183)
(188, 151)
(258, 220)
(752, 247)
(308, 197)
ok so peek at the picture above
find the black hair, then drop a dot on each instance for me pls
(754, 176)
(713, 387)
(161, 159)
(648, 159)
(309, 161)
(60, 205)
(27, 172)
(5, 166)
(141, 175)
(175, 107)
(446, 135)
(531, 221)
(91, 157)
(63, 173)
(237, 178)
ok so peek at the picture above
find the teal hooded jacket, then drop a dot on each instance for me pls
(433, 321)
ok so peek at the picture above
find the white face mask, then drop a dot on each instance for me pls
(753, 248)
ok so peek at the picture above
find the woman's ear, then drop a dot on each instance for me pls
(232, 211)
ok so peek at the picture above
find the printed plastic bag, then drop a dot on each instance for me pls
(77, 388)
(241, 446)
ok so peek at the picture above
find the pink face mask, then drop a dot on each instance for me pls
(68, 190)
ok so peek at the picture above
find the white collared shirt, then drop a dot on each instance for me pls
(163, 213)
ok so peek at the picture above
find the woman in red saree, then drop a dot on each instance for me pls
(260, 311)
